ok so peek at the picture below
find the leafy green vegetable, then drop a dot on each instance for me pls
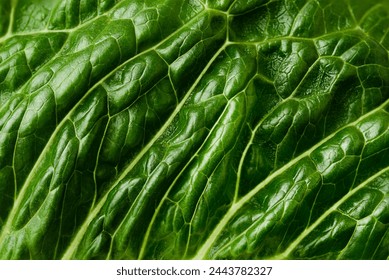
(219, 129)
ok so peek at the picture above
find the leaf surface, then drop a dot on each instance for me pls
(194, 129)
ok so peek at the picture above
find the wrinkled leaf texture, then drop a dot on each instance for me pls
(179, 129)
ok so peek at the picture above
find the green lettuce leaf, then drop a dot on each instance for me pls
(180, 129)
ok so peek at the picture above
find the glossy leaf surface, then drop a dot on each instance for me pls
(179, 129)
